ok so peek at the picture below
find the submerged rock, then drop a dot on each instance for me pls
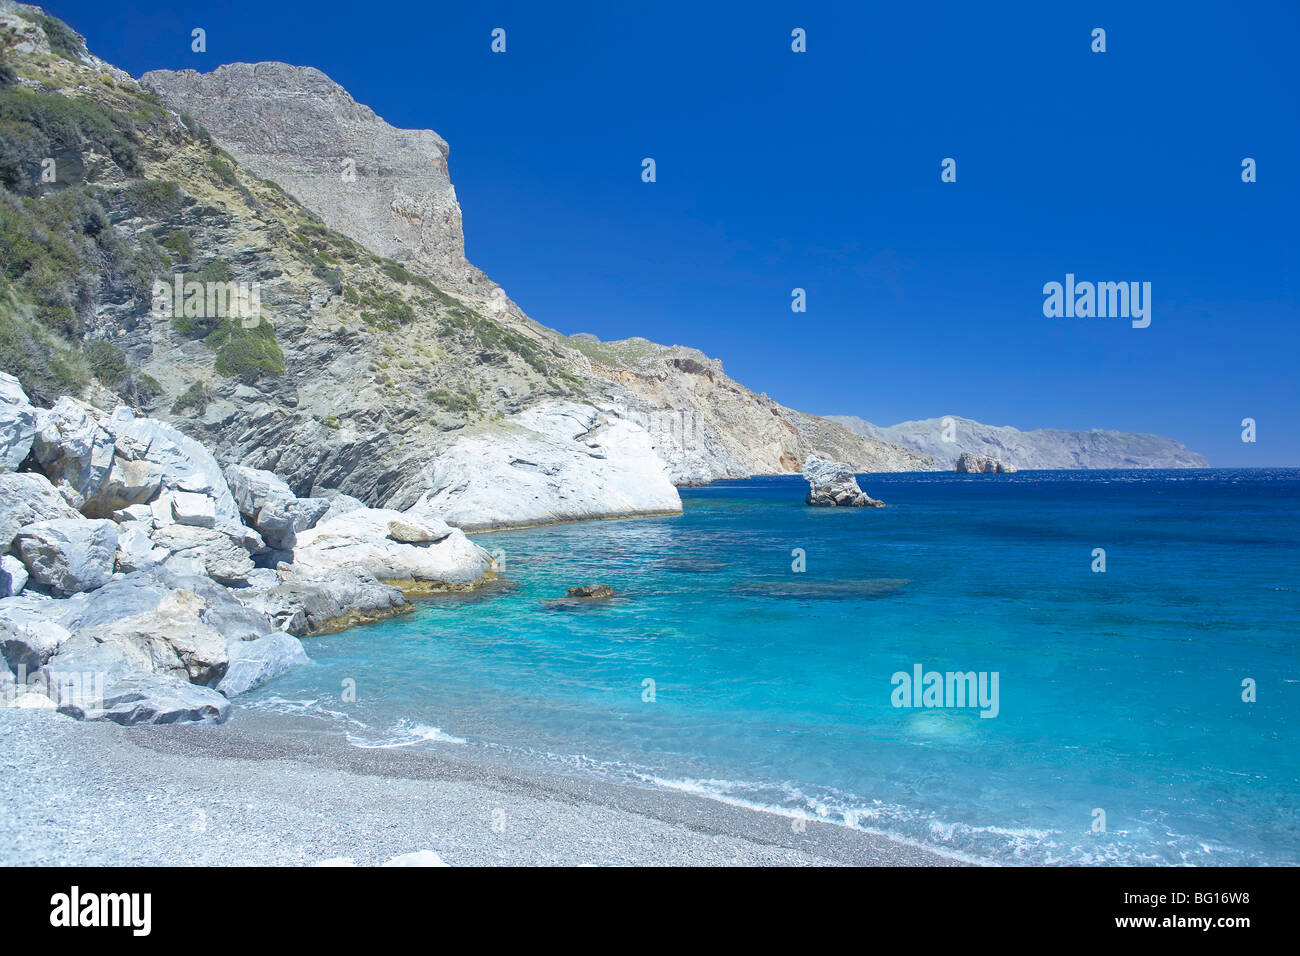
(832, 483)
(591, 591)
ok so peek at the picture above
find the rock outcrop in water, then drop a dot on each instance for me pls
(968, 464)
(833, 483)
(947, 439)
(158, 612)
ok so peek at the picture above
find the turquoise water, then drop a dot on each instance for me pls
(1118, 691)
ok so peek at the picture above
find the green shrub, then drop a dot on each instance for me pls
(222, 170)
(63, 41)
(154, 198)
(246, 353)
(45, 365)
(457, 402)
(106, 362)
(195, 398)
(34, 125)
(180, 245)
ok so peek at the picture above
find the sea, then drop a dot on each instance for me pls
(1130, 638)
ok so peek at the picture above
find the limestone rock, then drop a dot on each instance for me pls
(360, 539)
(25, 498)
(13, 576)
(559, 461)
(151, 699)
(221, 557)
(75, 453)
(326, 603)
(184, 466)
(68, 555)
(968, 464)
(253, 663)
(833, 483)
(268, 504)
(17, 423)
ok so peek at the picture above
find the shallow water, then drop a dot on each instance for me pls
(1118, 691)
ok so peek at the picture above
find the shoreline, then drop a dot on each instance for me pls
(276, 790)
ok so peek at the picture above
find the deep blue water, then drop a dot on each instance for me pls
(1119, 691)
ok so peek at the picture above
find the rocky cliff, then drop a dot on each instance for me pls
(1042, 448)
(390, 191)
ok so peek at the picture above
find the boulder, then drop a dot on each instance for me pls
(193, 509)
(17, 423)
(75, 453)
(559, 461)
(68, 555)
(183, 464)
(171, 639)
(130, 484)
(13, 576)
(970, 464)
(330, 602)
(833, 484)
(136, 550)
(150, 699)
(220, 556)
(25, 498)
(269, 505)
(337, 504)
(253, 663)
(30, 642)
(361, 539)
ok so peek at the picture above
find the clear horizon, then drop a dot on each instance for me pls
(821, 170)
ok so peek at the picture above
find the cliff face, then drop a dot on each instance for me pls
(1040, 449)
(296, 127)
(387, 188)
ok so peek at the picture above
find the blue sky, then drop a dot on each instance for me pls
(821, 170)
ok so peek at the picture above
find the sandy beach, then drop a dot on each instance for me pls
(270, 791)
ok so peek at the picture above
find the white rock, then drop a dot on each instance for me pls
(360, 539)
(220, 556)
(193, 509)
(26, 497)
(136, 550)
(69, 555)
(185, 465)
(17, 423)
(73, 450)
(555, 462)
(13, 576)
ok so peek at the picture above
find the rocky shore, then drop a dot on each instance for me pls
(144, 583)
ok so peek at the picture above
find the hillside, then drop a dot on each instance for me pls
(1041, 448)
